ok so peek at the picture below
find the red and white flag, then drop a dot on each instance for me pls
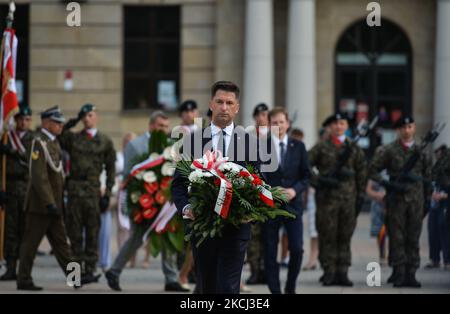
(9, 105)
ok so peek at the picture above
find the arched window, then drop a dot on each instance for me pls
(373, 74)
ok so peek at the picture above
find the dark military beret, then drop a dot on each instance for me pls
(188, 105)
(53, 113)
(260, 108)
(336, 117)
(24, 112)
(85, 109)
(327, 121)
(403, 121)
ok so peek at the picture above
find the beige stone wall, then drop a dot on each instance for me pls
(416, 17)
(93, 52)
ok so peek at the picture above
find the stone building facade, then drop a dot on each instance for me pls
(283, 52)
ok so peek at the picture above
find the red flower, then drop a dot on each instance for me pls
(256, 180)
(149, 213)
(172, 228)
(151, 187)
(138, 218)
(146, 201)
(217, 182)
(162, 231)
(244, 174)
(160, 198)
(165, 183)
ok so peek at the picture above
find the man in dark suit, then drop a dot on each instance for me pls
(292, 174)
(218, 261)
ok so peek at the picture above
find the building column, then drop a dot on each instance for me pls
(259, 58)
(442, 70)
(301, 68)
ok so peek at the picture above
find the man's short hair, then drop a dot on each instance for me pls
(157, 114)
(297, 133)
(226, 86)
(278, 110)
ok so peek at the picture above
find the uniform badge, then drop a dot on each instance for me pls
(35, 155)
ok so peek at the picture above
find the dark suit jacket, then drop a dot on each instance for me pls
(238, 152)
(296, 172)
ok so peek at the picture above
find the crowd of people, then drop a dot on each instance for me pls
(66, 185)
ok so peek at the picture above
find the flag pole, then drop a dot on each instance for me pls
(9, 22)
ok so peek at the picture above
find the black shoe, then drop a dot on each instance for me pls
(329, 279)
(9, 275)
(113, 281)
(262, 278)
(342, 280)
(175, 287)
(89, 278)
(28, 287)
(412, 282)
(391, 278)
(321, 277)
(253, 279)
(400, 280)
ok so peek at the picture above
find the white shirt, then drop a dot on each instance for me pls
(190, 128)
(216, 134)
(341, 138)
(50, 135)
(92, 132)
(408, 144)
(276, 142)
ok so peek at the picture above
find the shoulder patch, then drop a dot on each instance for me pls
(35, 155)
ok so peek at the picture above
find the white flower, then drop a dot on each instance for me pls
(135, 197)
(154, 156)
(168, 169)
(149, 177)
(197, 176)
(230, 167)
(140, 175)
(167, 153)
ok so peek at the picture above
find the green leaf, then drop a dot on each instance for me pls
(155, 247)
(177, 239)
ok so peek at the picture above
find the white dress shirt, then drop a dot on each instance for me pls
(216, 134)
(92, 132)
(276, 142)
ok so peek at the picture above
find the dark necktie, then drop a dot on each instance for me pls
(224, 134)
(282, 154)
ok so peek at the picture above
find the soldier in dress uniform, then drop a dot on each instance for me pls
(44, 200)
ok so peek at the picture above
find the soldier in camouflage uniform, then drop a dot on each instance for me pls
(338, 200)
(19, 140)
(405, 200)
(90, 152)
(441, 179)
